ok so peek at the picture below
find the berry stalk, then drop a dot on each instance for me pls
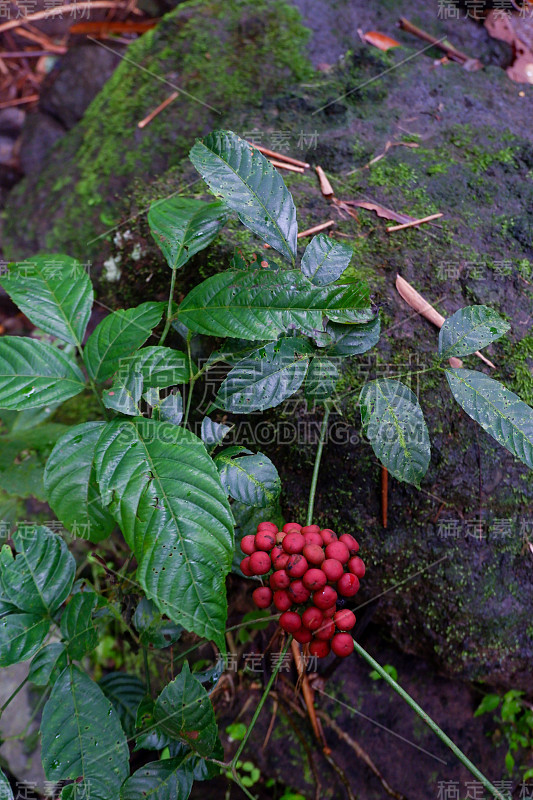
(429, 722)
(316, 469)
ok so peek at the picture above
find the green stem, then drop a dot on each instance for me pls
(192, 380)
(261, 703)
(314, 479)
(147, 672)
(13, 695)
(92, 385)
(427, 719)
(169, 308)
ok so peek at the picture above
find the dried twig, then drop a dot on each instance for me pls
(20, 101)
(283, 165)
(310, 231)
(413, 223)
(325, 186)
(425, 309)
(34, 35)
(144, 122)
(280, 156)
(452, 52)
(308, 695)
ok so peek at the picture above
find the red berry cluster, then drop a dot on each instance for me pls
(308, 569)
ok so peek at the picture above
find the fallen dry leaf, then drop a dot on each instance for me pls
(379, 40)
(425, 309)
(516, 30)
(383, 211)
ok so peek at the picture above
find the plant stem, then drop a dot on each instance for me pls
(92, 385)
(314, 479)
(146, 671)
(169, 308)
(13, 695)
(192, 380)
(427, 719)
(261, 703)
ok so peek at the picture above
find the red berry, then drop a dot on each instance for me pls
(344, 619)
(319, 648)
(282, 561)
(303, 636)
(326, 630)
(314, 579)
(248, 544)
(342, 644)
(330, 611)
(282, 601)
(293, 543)
(265, 540)
(311, 529)
(312, 618)
(262, 596)
(267, 526)
(296, 566)
(328, 536)
(245, 567)
(290, 621)
(314, 553)
(292, 527)
(313, 538)
(351, 543)
(276, 552)
(333, 569)
(260, 563)
(324, 598)
(298, 592)
(279, 580)
(280, 537)
(357, 566)
(336, 550)
(348, 584)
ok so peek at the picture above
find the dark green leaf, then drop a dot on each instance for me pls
(250, 185)
(125, 394)
(118, 336)
(183, 226)
(54, 292)
(82, 737)
(149, 737)
(159, 366)
(499, 412)
(470, 329)
(251, 479)
(125, 692)
(262, 304)
(48, 664)
(393, 422)
(77, 626)
(266, 377)
(34, 374)
(171, 408)
(351, 340)
(21, 635)
(213, 433)
(40, 578)
(325, 259)
(321, 379)
(168, 779)
(153, 629)
(165, 492)
(5, 788)
(71, 487)
(184, 711)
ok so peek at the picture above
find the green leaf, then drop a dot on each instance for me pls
(82, 737)
(183, 226)
(54, 292)
(159, 366)
(34, 374)
(262, 304)
(213, 433)
(321, 380)
(393, 422)
(48, 664)
(325, 259)
(153, 629)
(171, 408)
(118, 336)
(21, 635)
(149, 737)
(77, 626)
(351, 340)
(184, 711)
(125, 394)
(167, 779)
(250, 185)
(71, 487)
(40, 578)
(470, 329)
(165, 493)
(499, 412)
(125, 692)
(489, 703)
(266, 377)
(5, 788)
(251, 479)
